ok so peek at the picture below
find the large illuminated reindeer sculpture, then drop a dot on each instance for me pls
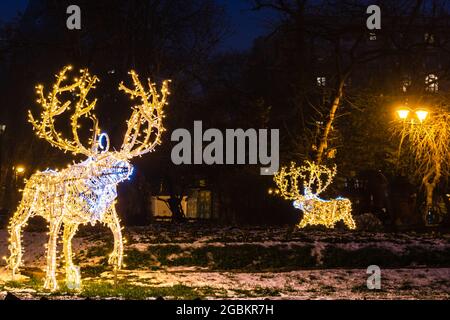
(315, 179)
(84, 192)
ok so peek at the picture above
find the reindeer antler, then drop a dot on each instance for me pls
(149, 113)
(315, 175)
(53, 107)
(288, 178)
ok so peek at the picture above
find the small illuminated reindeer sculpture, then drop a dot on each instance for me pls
(315, 178)
(85, 192)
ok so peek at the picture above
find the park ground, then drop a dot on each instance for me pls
(192, 261)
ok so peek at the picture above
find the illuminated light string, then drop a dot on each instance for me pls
(84, 192)
(314, 179)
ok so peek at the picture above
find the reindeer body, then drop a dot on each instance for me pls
(80, 192)
(316, 211)
(85, 192)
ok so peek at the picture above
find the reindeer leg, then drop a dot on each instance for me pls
(15, 230)
(347, 215)
(73, 278)
(349, 222)
(50, 278)
(304, 222)
(112, 220)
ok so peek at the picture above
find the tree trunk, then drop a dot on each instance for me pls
(323, 145)
(430, 186)
(176, 208)
(429, 195)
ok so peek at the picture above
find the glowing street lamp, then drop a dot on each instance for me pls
(427, 132)
(403, 113)
(271, 191)
(20, 169)
(421, 115)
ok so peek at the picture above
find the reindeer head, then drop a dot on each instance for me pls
(314, 178)
(144, 128)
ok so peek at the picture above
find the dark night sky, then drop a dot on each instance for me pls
(9, 8)
(246, 25)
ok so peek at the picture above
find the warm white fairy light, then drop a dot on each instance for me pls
(85, 192)
(315, 179)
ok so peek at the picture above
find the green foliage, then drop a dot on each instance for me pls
(137, 292)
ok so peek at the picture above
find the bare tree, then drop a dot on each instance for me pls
(335, 33)
(428, 144)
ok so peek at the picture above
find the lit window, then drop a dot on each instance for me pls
(429, 38)
(431, 82)
(321, 81)
(406, 84)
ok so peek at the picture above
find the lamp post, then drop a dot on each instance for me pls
(405, 113)
(19, 170)
(415, 117)
(428, 135)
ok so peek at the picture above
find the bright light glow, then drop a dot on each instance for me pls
(421, 115)
(20, 169)
(403, 113)
(315, 178)
(85, 192)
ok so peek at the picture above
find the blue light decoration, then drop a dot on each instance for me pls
(102, 139)
(84, 192)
